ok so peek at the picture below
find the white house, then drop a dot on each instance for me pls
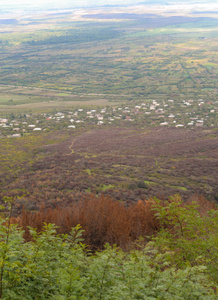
(100, 123)
(37, 129)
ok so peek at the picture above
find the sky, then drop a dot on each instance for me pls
(73, 2)
(85, 3)
(65, 3)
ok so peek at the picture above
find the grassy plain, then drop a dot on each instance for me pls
(14, 103)
(134, 56)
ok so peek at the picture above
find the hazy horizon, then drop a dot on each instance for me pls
(73, 3)
(95, 3)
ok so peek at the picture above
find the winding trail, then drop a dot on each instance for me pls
(70, 147)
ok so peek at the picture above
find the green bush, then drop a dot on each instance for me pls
(191, 238)
(141, 184)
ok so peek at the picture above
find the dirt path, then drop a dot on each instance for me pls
(70, 148)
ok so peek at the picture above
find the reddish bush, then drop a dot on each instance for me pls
(103, 219)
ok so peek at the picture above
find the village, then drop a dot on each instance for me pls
(185, 113)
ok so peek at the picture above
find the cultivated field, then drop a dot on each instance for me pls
(62, 57)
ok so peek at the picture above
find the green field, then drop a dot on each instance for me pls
(13, 103)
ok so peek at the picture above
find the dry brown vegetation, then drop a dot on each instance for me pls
(103, 219)
(126, 164)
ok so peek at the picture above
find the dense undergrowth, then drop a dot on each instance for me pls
(172, 253)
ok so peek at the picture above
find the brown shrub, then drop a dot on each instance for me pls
(102, 218)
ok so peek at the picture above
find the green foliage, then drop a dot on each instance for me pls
(53, 266)
(35, 270)
(192, 238)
